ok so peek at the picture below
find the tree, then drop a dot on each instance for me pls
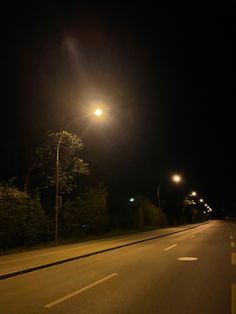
(192, 212)
(70, 164)
(152, 215)
(88, 212)
(22, 219)
(142, 213)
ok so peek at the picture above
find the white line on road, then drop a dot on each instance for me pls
(70, 295)
(232, 244)
(170, 247)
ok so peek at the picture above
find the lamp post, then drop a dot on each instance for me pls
(98, 112)
(57, 186)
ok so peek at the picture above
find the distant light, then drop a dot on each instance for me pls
(98, 112)
(204, 212)
(176, 178)
(131, 199)
(201, 200)
(206, 205)
(193, 193)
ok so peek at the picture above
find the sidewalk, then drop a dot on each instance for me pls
(20, 263)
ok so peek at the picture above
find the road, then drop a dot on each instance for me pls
(189, 272)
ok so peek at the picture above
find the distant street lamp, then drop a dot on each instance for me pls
(201, 200)
(193, 193)
(176, 178)
(131, 199)
(97, 112)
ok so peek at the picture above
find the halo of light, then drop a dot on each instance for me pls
(98, 112)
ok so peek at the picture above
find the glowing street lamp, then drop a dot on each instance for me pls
(176, 178)
(193, 193)
(201, 200)
(98, 112)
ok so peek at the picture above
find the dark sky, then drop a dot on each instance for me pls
(166, 73)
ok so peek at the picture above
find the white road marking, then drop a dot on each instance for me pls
(170, 247)
(233, 299)
(70, 295)
(192, 236)
(188, 258)
(232, 244)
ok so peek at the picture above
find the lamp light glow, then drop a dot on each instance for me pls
(98, 112)
(176, 178)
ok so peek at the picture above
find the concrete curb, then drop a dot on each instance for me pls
(31, 269)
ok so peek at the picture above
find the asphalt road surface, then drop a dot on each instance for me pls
(189, 272)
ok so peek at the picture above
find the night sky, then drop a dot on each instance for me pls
(165, 72)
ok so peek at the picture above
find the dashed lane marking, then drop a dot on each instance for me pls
(170, 247)
(70, 295)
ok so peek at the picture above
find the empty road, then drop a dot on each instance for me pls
(190, 272)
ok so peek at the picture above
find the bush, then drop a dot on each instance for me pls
(87, 213)
(69, 220)
(152, 215)
(22, 219)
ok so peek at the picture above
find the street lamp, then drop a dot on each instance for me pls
(176, 178)
(201, 200)
(193, 193)
(98, 112)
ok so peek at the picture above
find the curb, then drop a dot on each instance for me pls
(31, 269)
